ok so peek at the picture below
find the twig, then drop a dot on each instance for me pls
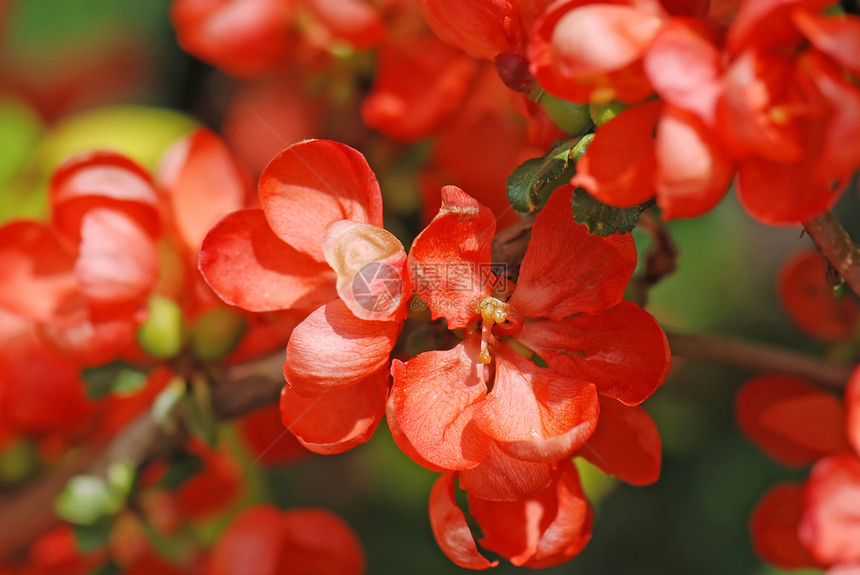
(25, 514)
(833, 241)
(757, 357)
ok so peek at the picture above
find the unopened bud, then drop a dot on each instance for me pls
(162, 334)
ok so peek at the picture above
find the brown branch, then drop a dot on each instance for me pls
(25, 514)
(834, 242)
(758, 357)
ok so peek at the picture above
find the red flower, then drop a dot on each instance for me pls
(808, 299)
(541, 531)
(501, 457)
(267, 541)
(317, 245)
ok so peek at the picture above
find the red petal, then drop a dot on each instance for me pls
(623, 350)
(767, 23)
(589, 275)
(249, 266)
(840, 156)
(450, 529)
(355, 21)
(203, 183)
(370, 264)
(685, 68)
(852, 410)
(836, 36)
(37, 270)
(410, 111)
(534, 414)
(540, 531)
(501, 477)
(782, 194)
(477, 28)
(599, 38)
(774, 524)
(830, 526)
(253, 540)
(338, 419)
(625, 444)
(450, 260)
(266, 440)
(102, 179)
(790, 420)
(314, 183)
(118, 263)
(618, 167)
(215, 488)
(432, 401)
(808, 298)
(318, 542)
(333, 349)
(693, 169)
(245, 39)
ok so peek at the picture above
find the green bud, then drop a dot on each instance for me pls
(86, 499)
(570, 118)
(602, 113)
(217, 333)
(161, 334)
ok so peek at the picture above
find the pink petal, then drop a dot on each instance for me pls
(450, 260)
(249, 266)
(830, 525)
(314, 183)
(203, 183)
(370, 264)
(333, 349)
(338, 419)
(623, 350)
(535, 415)
(450, 529)
(432, 401)
(589, 275)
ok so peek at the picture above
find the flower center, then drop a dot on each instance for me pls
(492, 311)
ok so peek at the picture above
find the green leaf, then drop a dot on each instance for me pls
(602, 219)
(86, 499)
(163, 332)
(217, 333)
(109, 568)
(165, 406)
(116, 377)
(198, 413)
(183, 466)
(572, 119)
(531, 183)
(92, 537)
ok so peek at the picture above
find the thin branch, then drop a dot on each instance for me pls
(834, 242)
(26, 514)
(758, 357)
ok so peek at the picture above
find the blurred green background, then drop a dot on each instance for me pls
(693, 521)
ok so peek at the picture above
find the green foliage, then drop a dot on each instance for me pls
(183, 466)
(217, 333)
(531, 183)
(116, 377)
(602, 219)
(86, 499)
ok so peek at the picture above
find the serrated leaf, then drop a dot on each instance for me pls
(602, 219)
(531, 183)
(183, 466)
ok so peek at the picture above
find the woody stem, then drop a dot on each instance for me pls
(757, 357)
(834, 242)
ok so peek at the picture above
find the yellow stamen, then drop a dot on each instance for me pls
(492, 311)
